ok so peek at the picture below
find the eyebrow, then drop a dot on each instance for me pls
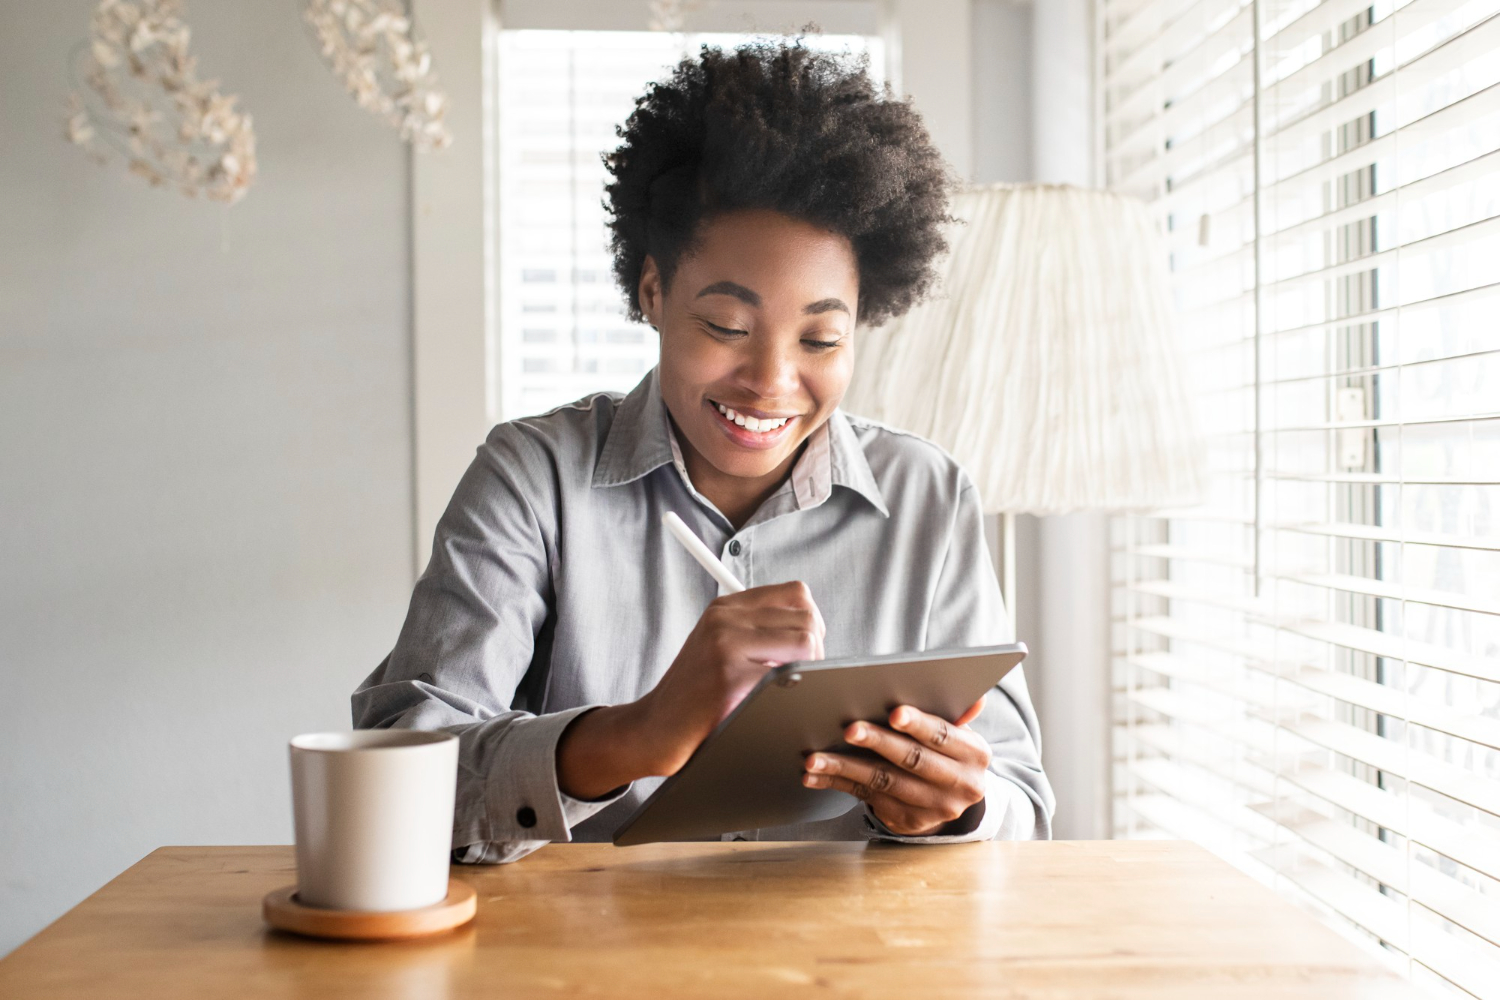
(751, 298)
(731, 288)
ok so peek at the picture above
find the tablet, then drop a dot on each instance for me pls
(748, 773)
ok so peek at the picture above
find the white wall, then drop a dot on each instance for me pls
(205, 459)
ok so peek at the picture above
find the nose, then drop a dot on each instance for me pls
(770, 370)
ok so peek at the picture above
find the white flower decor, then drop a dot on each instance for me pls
(369, 45)
(671, 15)
(141, 96)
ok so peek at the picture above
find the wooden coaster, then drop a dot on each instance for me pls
(283, 911)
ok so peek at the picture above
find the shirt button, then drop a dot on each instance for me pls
(734, 547)
(526, 816)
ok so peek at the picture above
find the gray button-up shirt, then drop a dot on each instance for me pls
(553, 588)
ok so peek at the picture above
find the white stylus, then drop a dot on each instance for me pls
(700, 552)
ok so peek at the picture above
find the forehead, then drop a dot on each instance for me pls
(785, 261)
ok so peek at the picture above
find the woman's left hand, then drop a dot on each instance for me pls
(933, 770)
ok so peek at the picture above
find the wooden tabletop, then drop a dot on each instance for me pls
(1062, 919)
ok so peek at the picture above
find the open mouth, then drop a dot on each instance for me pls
(752, 431)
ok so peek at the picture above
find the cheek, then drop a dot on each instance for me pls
(689, 362)
(827, 382)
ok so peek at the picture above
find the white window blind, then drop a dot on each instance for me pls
(1308, 666)
(562, 326)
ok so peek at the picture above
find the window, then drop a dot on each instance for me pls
(1308, 666)
(561, 95)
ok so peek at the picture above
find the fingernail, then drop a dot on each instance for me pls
(817, 764)
(813, 780)
(898, 718)
(858, 736)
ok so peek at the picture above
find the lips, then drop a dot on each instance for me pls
(756, 429)
(755, 424)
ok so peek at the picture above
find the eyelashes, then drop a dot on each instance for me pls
(725, 331)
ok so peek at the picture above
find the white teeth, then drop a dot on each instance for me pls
(755, 424)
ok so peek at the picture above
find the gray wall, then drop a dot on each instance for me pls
(1033, 121)
(1072, 578)
(1001, 57)
(205, 459)
(1001, 53)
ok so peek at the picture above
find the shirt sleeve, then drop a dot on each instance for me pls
(464, 659)
(968, 610)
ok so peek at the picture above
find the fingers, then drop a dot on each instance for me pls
(752, 646)
(931, 771)
(821, 628)
(949, 739)
(865, 779)
(903, 802)
(794, 619)
(792, 594)
(903, 818)
(971, 713)
(780, 605)
(932, 766)
(920, 778)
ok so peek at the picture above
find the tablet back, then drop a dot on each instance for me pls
(748, 772)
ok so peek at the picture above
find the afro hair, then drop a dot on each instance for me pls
(771, 125)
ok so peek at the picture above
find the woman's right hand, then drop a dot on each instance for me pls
(738, 638)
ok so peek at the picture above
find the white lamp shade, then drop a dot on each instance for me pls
(1047, 360)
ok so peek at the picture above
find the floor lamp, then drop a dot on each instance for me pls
(1046, 361)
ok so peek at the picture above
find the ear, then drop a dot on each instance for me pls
(649, 292)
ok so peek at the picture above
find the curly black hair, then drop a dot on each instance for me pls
(777, 126)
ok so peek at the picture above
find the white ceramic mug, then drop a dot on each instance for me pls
(373, 810)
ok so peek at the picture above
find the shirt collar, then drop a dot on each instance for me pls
(640, 440)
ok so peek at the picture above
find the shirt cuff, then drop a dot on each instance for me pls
(524, 807)
(1005, 813)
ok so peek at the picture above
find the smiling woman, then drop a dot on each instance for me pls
(767, 201)
(756, 348)
(794, 199)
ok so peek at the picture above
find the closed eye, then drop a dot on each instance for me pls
(823, 344)
(727, 331)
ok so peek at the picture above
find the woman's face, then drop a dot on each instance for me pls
(756, 337)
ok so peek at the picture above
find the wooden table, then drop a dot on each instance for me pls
(1062, 919)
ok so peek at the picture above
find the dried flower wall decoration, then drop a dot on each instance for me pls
(141, 96)
(370, 46)
(671, 15)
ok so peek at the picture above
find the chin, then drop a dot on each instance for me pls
(734, 461)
